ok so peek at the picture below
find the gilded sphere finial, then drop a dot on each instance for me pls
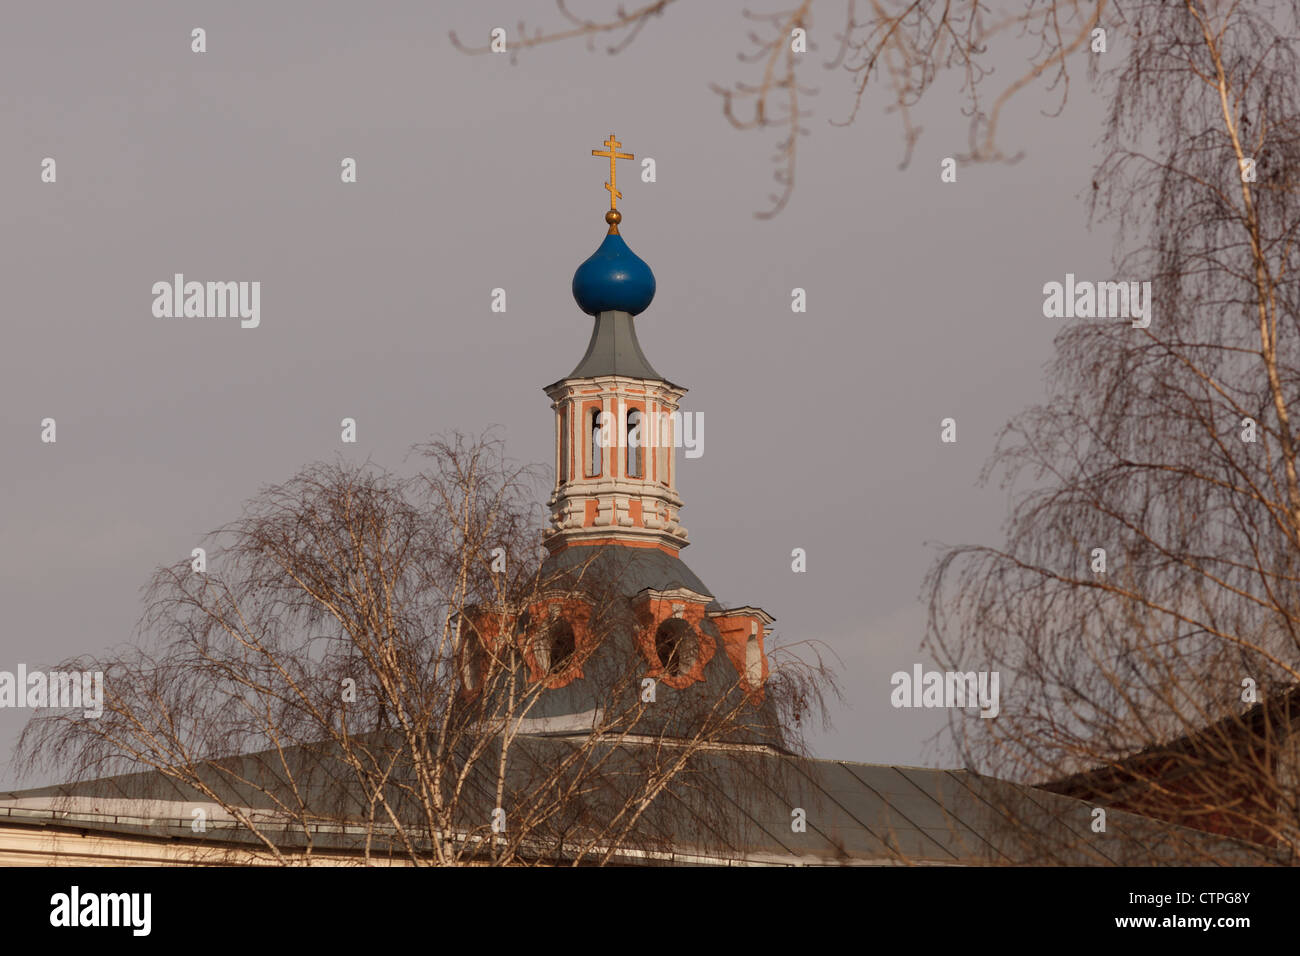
(613, 217)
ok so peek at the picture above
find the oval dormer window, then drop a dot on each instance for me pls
(560, 645)
(675, 646)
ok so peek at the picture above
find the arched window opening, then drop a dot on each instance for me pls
(564, 447)
(675, 646)
(664, 436)
(471, 657)
(753, 659)
(634, 444)
(594, 462)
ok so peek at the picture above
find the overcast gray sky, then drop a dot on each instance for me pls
(924, 298)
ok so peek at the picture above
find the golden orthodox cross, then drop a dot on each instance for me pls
(612, 152)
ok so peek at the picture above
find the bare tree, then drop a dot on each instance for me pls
(904, 45)
(366, 665)
(1144, 610)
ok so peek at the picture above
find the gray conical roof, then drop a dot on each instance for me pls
(614, 350)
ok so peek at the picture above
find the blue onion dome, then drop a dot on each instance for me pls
(614, 279)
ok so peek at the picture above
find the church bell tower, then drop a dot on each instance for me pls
(616, 419)
(614, 511)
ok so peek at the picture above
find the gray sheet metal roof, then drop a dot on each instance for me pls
(635, 569)
(734, 807)
(614, 350)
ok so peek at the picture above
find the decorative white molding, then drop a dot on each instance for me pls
(612, 491)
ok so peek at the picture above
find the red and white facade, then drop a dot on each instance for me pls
(616, 477)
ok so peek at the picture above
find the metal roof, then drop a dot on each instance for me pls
(634, 569)
(734, 806)
(614, 350)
